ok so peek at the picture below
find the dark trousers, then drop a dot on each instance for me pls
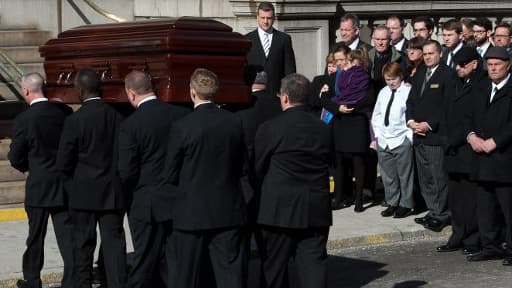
(149, 266)
(349, 165)
(112, 240)
(433, 180)
(464, 217)
(494, 203)
(307, 247)
(33, 258)
(223, 248)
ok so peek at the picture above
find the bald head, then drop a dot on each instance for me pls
(33, 82)
(139, 82)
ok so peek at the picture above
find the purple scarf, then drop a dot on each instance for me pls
(352, 85)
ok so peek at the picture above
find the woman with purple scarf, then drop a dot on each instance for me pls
(351, 130)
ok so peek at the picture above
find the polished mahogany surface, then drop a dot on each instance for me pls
(169, 50)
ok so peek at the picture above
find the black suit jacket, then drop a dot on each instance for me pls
(280, 61)
(142, 148)
(431, 105)
(444, 58)
(293, 152)
(87, 157)
(265, 107)
(459, 153)
(493, 120)
(205, 159)
(34, 149)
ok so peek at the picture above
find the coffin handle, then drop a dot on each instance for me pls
(61, 75)
(68, 77)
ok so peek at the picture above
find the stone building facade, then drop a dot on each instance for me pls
(312, 24)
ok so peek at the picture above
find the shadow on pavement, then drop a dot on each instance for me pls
(348, 272)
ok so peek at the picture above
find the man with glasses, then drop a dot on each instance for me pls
(423, 27)
(502, 36)
(349, 31)
(482, 30)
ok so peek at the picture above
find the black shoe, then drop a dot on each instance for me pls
(388, 212)
(469, 250)
(24, 284)
(447, 248)
(483, 257)
(402, 212)
(435, 225)
(422, 220)
(358, 208)
(347, 203)
(507, 261)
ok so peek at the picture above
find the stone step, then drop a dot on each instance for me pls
(7, 173)
(23, 54)
(11, 37)
(12, 192)
(6, 93)
(4, 148)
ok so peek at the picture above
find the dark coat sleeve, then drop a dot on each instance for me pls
(18, 152)
(175, 155)
(129, 158)
(289, 57)
(67, 156)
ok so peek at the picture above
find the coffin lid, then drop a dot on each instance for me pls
(185, 34)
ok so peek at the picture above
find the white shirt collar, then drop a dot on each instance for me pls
(400, 44)
(42, 99)
(92, 98)
(502, 83)
(457, 48)
(433, 69)
(484, 48)
(198, 104)
(354, 44)
(149, 98)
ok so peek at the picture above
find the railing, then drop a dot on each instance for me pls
(81, 14)
(12, 77)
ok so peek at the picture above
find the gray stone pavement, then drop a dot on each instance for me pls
(349, 229)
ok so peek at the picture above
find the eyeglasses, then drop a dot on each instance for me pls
(501, 36)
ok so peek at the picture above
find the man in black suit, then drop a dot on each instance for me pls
(490, 137)
(431, 89)
(349, 31)
(204, 162)
(265, 107)
(293, 152)
(87, 157)
(396, 25)
(34, 150)
(461, 189)
(452, 38)
(142, 148)
(271, 49)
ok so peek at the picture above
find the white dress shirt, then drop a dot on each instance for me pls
(354, 44)
(42, 99)
(395, 133)
(262, 33)
(453, 52)
(149, 98)
(400, 44)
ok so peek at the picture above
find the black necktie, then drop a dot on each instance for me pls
(386, 116)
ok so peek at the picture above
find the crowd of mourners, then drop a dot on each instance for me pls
(205, 189)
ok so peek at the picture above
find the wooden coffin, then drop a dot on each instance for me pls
(169, 50)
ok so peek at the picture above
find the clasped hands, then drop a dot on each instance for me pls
(480, 145)
(419, 128)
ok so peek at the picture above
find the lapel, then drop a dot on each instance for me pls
(257, 44)
(275, 38)
(500, 93)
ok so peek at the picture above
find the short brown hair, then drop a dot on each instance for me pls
(392, 69)
(266, 6)
(205, 83)
(361, 55)
(453, 24)
(416, 43)
(139, 82)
